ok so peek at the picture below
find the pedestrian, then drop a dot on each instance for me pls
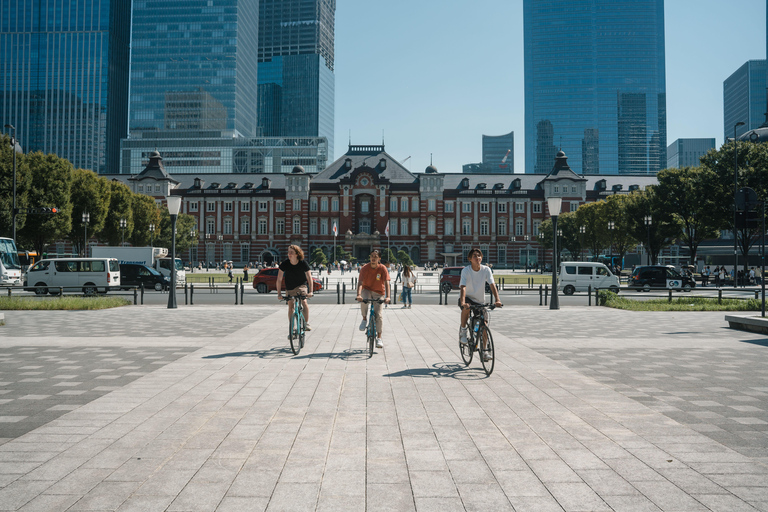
(245, 273)
(409, 282)
(705, 276)
(229, 272)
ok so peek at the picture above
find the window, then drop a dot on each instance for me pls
(432, 205)
(502, 231)
(449, 227)
(313, 204)
(141, 188)
(312, 226)
(557, 189)
(279, 206)
(519, 207)
(404, 204)
(245, 252)
(466, 207)
(519, 228)
(536, 207)
(449, 207)
(280, 226)
(466, 227)
(297, 205)
(415, 204)
(245, 206)
(404, 227)
(211, 207)
(365, 206)
(297, 224)
(262, 226)
(502, 255)
(157, 188)
(335, 204)
(324, 204)
(574, 206)
(414, 226)
(227, 226)
(193, 206)
(502, 207)
(393, 205)
(365, 226)
(573, 189)
(393, 227)
(323, 226)
(536, 225)
(228, 206)
(483, 207)
(431, 225)
(263, 206)
(245, 227)
(483, 227)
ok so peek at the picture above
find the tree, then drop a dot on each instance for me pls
(185, 223)
(50, 182)
(570, 241)
(23, 180)
(341, 254)
(662, 231)
(592, 217)
(90, 193)
(318, 257)
(120, 201)
(404, 258)
(621, 237)
(389, 256)
(684, 193)
(145, 212)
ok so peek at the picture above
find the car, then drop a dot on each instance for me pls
(136, 274)
(450, 278)
(266, 281)
(646, 277)
(582, 276)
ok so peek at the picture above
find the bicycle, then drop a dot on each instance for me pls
(297, 328)
(478, 330)
(371, 330)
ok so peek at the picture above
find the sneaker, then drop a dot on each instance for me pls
(487, 356)
(307, 327)
(404, 306)
(379, 343)
(463, 335)
(363, 324)
(409, 306)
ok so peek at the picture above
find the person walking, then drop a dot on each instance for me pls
(409, 282)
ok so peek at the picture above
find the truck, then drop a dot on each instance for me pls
(155, 257)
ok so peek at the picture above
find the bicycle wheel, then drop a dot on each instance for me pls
(303, 332)
(294, 339)
(467, 351)
(489, 353)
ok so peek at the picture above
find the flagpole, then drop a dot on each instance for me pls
(333, 256)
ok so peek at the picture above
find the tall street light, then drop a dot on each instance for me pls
(16, 149)
(123, 224)
(735, 193)
(648, 221)
(86, 220)
(174, 205)
(582, 230)
(611, 226)
(152, 231)
(554, 204)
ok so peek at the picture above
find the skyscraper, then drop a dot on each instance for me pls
(595, 85)
(499, 152)
(687, 152)
(64, 77)
(296, 58)
(744, 98)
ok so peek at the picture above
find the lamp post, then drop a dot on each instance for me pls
(648, 221)
(174, 205)
(527, 263)
(86, 220)
(611, 226)
(123, 223)
(192, 238)
(543, 254)
(582, 231)
(152, 231)
(16, 149)
(554, 204)
(735, 193)
(220, 238)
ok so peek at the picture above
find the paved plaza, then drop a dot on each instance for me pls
(205, 408)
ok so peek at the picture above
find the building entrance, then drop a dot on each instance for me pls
(362, 252)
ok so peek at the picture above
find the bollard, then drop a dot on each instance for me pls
(236, 295)
(540, 296)
(344, 293)
(338, 293)
(440, 292)
(589, 295)
(135, 296)
(546, 293)
(9, 292)
(141, 289)
(670, 296)
(192, 295)
(720, 296)
(242, 291)
(186, 298)
(394, 297)
(756, 295)
(597, 298)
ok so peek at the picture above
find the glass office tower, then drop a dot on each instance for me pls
(499, 152)
(194, 68)
(744, 98)
(296, 80)
(64, 77)
(687, 152)
(595, 85)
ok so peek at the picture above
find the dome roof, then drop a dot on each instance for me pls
(298, 170)
(758, 135)
(431, 169)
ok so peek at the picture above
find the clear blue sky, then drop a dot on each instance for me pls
(436, 75)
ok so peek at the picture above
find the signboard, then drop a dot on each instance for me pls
(674, 283)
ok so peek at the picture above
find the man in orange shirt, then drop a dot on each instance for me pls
(373, 283)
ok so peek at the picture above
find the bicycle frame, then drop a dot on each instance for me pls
(297, 322)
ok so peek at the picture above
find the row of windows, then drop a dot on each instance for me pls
(245, 206)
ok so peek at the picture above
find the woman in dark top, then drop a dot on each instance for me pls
(298, 279)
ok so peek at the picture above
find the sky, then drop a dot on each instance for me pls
(431, 77)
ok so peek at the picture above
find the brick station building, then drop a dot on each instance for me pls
(435, 217)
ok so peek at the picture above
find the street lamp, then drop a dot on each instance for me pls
(582, 230)
(123, 224)
(152, 230)
(174, 205)
(648, 221)
(543, 254)
(86, 220)
(735, 193)
(611, 225)
(554, 204)
(16, 149)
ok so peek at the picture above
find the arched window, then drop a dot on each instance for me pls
(297, 225)
(365, 226)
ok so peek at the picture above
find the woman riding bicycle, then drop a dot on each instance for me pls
(472, 286)
(298, 281)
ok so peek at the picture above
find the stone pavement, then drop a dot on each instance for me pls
(205, 408)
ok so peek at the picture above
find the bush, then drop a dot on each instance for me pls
(61, 303)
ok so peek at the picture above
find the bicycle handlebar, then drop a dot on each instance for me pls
(378, 301)
(489, 305)
(300, 297)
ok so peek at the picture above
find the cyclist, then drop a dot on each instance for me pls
(298, 281)
(472, 292)
(373, 283)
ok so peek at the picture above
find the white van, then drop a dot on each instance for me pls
(578, 276)
(89, 275)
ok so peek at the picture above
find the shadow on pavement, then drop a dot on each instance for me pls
(452, 370)
(347, 355)
(263, 354)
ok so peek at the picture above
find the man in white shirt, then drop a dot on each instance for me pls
(472, 290)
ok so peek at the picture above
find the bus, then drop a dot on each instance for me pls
(10, 269)
(27, 259)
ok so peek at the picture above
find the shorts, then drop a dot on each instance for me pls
(474, 303)
(297, 291)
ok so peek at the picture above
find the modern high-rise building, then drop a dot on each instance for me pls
(498, 156)
(296, 80)
(64, 77)
(687, 152)
(744, 98)
(595, 85)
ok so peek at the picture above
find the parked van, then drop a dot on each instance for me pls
(89, 275)
(578, 276)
